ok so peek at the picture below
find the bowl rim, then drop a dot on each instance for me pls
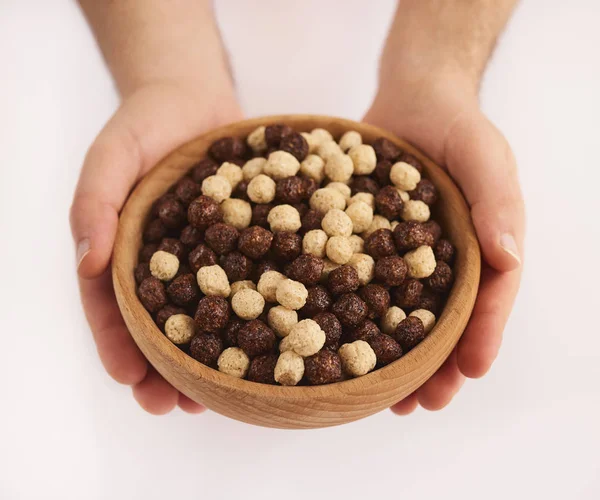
(463, 292)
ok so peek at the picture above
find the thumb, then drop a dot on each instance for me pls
(480, 159)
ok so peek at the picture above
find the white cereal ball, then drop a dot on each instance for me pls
(325, 199)
(358, 358)
(311, 141)
(261, 189)
(361, 216)
(365, 267)
(306, 338)
(342, 188)
(232, 173)
(313, 166)
(328, 149)
(363, 158)
(180, 328)
(339, 249)
(321, 135)
(314, 243)
(268, 283)
(212, 280)
(253, 167)
(404, 196)
(256, 140)
(358, 244)
(284, 345)
(164, 265)
(281, 164)
(233, 361)
(338, 167)
(379, 222)
(367, 198)
(404, 176)
(337, 223)
(427, 317)
(327, 268)
(281, 319)
(284, 218)
(416, 210)
(217, 187)
(248, 304)
(350, 139)
(391, 319)
(236, 212)
(289, 369)
(421, 262)
(291, 294)
(393, 225)
(242, 285)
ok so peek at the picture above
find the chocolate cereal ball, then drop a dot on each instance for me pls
(155, 231)
(274, 134)
(425, 192)
(171, 212)
(286, 245)
(364, 184)
(365, 331)
(237, 266)
(183, 290)
(256, 338)
(318, 301)
(307, 269)
(201, 256)
(187, 191)
(262, 369)
(441, 279)
(382, 172)
(411, 235)
(173, 246)
(255, 241)
(380, 244)
(444, 251)
(377, 299)
(310, 186)
(391, 270)
(148, 251)
(205, 168)
(408, 294)
(324, 367)
(311, 220)
(260, 212)
(290, 190)
(165, 313)
(230, 332)
(262, 267)
(433, 228)
(203, 212)
(388, 202)
(190, 236)
(386, 349)
(228, 149)
(152, 294)
(430, 301)
(294, 144)
(206, 348)
(332, 328)
(386, 149)
(411, 160)
(142, 271)
(350, 310)
(409, 332)
(212, 314)
(222, 238)
(344, 279)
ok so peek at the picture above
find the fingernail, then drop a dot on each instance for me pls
(83, 248)
(509, 245)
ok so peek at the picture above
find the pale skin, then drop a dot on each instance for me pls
(430, 73)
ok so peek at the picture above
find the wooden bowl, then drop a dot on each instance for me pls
(294, 407)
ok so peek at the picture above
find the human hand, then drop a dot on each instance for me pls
(151, 122)
(443, 119)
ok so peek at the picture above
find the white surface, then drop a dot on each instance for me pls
(527, 430)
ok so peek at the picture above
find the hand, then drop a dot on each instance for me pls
(150, 123)
(444, 121)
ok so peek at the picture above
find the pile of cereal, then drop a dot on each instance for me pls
(291, 258)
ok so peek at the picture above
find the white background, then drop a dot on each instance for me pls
(530, 429)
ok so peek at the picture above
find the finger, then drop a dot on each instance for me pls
(118, 352)
(406, 406)
(480, 159)
(189, 406)
(480, 343)
(439, 390)
(154, 394)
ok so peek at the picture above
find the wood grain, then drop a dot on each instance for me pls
(294, 407)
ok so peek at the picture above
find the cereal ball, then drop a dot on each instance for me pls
(410, 235)
(281, 164)
(408, 294)
(290, 190)
(306, 338)
(217, 187)
(183, 290)
(152, 294)
(231, 330)
(382, 172)
(281, 319)
(365, 331)
(262, 369)
(237, 266)
(338, 167)
(164, 265)
(349, 140)
(404, 176)
(274, 134)
(313, 167)
(212, 280)
(337, 223)
(318, 301)
(386, 149)
(256, 338)
(342, 188)
(222, 238)
(212, 314)
(350, 310)
(233, 361)
(411, 160)
(306, 269)
(358, 358)
(321, 135)
(262, 267)
(364, 159)
(255, 241)
(201, 256)
(441, 279)
(261, 189)
(380, 244)
(444, 251)
(427, 317)
(248, 304)
(291, 294)
(393, 225)
(236, 213)
(364, 265)
(311, 220)
(165, 313)
(242, 285)
(388, 202)
(311, 141)
(404, 196)
(361, 216)
(232, 173)
(268, 284)
(364, 184)
(284, 218)
(339, 249)
(331, 326)
(204, 212)
(173, 246)
(425, 192)
(256, 140)
(386, 349)
(430, 301)
(203, 169)
(295, 144)
(421, 262)
(409, 333)
(187, 191)
(391, 318)
(327, 149)
(367, 198)
(260, 213)
(323, 367)
(171, 212)
(344, 279)
(310, 186)
(148, 250)
(286, 245)
(379, 222)
(228, 149)
(325, 199)
(206, 348)
(314, 243)
(433, 228)
(180, 328)
(142, 271)
(328, 266)
(289, 369)
(190, 236)
(358, 244)
(377, 299)
(253, 168)
(416, 210)
(391, 270)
